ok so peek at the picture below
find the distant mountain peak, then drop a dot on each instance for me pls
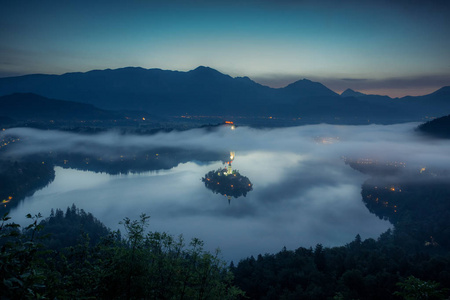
(199, 68)
(244, 79)
(203, 69)
(445, 89)
(130, 68)
(208, 92)
(302, 81)
(305, 81)
(206, 72)
(351, 93)
(307, 88)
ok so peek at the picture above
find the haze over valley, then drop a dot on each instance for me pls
(302, 183)
(225, 149)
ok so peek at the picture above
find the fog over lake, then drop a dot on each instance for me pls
(303, 192)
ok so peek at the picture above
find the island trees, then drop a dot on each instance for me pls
(232, 185)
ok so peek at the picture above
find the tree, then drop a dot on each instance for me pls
(156, 265)
(413, 288)
(21, 266)
(319, 258)
(140, 265)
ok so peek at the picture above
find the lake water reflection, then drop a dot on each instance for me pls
(300, 197)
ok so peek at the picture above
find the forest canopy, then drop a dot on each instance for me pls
(74, 256)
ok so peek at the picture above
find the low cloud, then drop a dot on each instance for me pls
(327, 142)
(303, 192)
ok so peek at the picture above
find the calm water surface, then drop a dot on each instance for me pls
(303, 194)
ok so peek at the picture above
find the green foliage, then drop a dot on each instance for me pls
(413, 288)
(158, 266)
(21, 264)
(67, 229)
(141, 265)
(363, 269)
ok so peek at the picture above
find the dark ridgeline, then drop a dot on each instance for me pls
(351, 93)
(207, 92)
(439, 127)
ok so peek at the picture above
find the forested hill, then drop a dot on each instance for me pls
(439, 127)
(362, 269)
(72, 255)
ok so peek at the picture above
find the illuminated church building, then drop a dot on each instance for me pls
(220, 182)
(229, 169)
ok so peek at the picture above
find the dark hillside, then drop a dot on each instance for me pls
(207, 93)
(25, 106)
(439, 127)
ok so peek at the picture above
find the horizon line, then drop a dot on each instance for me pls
(261, 81)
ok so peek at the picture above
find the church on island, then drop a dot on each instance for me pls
(227, 181)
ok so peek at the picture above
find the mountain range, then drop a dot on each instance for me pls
(207, 92)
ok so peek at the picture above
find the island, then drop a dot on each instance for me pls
(227, 181)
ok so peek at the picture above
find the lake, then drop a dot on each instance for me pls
(303, 191)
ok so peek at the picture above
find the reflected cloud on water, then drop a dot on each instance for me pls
(303, 193)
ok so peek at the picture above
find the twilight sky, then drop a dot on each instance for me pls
(371, 46)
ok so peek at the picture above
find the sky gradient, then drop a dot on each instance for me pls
(370, 46)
